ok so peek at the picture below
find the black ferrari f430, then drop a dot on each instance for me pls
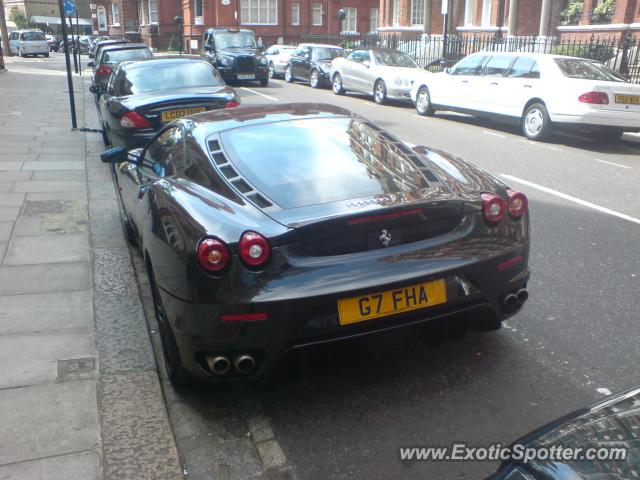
(271, 228)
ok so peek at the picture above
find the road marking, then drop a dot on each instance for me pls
(494, 134)
(543, 145)
(261, 94)
(579, 201)
(611, 163)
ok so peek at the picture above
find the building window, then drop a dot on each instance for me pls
(417, 12)
(374, 21)
(486, 13)
(469, 12)
(115, 14)
(259, 12)
(153, 12)
(395, 12)
(295, 14)
(316, 14)
(350, 22)
(197, 8)
(102, 19)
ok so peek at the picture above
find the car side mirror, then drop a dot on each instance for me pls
(115, 155)
(208, 48)
(89, 64)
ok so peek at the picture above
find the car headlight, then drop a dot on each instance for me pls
(224, 61)
(263, 61)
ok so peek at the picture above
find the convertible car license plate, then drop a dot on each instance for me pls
(391, 302)
(171, 115)
(246, 77)
(628, 99)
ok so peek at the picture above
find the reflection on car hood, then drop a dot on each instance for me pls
(140, 99)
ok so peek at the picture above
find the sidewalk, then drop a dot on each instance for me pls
(79, 391)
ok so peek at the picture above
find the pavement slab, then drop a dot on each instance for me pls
(43, 249)
(53, 165)
(48, 186)
(76, 466)
(23, 279)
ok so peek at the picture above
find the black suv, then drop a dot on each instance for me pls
(234, 53)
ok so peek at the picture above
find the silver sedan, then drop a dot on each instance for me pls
(382, 72)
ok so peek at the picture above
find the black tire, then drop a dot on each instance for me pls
(336, 85)
(536, 124)
(380, 92)
(128, 230)
(423, 103)
(314, 79)
(288, 74)
(264, 82)
(272, 70)
(105, 137)
(46, 55)
(176, 373)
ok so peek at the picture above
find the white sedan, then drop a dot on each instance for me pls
(278, 58)
(538, 91)
(381, 72)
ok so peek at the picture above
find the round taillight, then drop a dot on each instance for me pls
(254, 249)
(213, 255)
(493, 207)
(518, 203)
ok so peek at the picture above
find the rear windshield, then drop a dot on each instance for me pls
(312, 161)
(153, 76)
(115, 56)
(32, 36)
(587, 70)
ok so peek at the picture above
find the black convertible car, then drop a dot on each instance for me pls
(271, 228)
(142, 96)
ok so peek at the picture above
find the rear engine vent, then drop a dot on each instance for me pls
(242, 186)
(214, 145)
(219, 158)
(228, 171)
(259, 200)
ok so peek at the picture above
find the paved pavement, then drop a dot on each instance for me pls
(80, 396)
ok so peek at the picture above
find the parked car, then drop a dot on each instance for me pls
(612, 423)
(143, 96)
(54, 42)
(104, 43)
(278, 58)
(252, 252)
(109, 57)
(310, 62)
(234, 53)
(540, 92)
(427, 49)
(28, 42)
(381, 72)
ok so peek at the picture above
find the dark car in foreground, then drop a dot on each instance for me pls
(608, 431)
(271, 228)
(311, 63)
(144, 96)
(234, 53)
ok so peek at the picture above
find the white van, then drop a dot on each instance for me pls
(28, 42)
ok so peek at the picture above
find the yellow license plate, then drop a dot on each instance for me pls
(628, 99)
(391, 302)
(171, 115)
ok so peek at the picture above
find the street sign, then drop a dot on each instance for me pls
(69, 8)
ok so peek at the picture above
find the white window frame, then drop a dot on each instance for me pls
(198, 19)
(350, 22)
(101, 14)
(115, 15)
(141, 13)
(153, 12)
(316, 14)
(469, 12)
(295, 14)
(417, 12)
(395, 13)
(486, 13)
(374, 20)
(252, 12)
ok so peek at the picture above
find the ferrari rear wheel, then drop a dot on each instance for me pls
(380, 92)
(176, 373)
(314, 79)
(338, 89)
(288, 74)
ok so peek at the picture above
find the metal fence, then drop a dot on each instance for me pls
(438, 51)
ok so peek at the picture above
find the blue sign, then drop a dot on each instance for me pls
(69, 8)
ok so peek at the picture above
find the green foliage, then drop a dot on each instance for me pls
(573, 13)
(593, 51)
(175, 44)
(603, 13)
(18, 17)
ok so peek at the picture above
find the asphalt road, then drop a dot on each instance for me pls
(344, 412)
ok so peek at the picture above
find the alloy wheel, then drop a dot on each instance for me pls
(337, 84)
(380, 92)
(288, 75)
(271, 70)
(315, 80)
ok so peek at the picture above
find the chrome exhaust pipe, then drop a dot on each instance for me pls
(218, 364)
(523, 295)
(510, 303)
(244, 364)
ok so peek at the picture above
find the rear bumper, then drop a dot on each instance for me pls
(130, 140)
(629, 121)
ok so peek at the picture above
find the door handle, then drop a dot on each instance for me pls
(495, 83)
